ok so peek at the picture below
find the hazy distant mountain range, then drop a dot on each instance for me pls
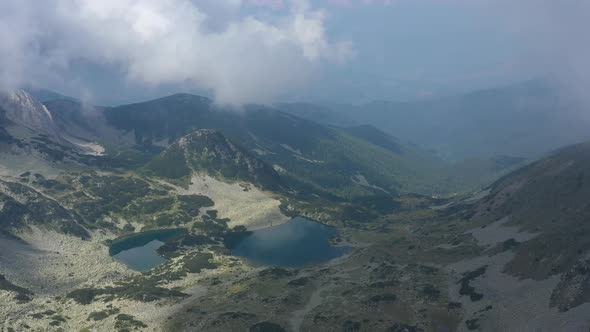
(525, 120)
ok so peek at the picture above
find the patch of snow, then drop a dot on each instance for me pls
(360, 179)
(288, 147)
(259, 152)
(279, 169)
(313, 161)
(297, 153)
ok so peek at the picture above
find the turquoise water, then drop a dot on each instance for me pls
(298, 242)
(138, 251)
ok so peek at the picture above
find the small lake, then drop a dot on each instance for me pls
(298, 242)
(139, 251)
(142, 258)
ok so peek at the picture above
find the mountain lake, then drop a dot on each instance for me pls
(298, 242)
(139, 251)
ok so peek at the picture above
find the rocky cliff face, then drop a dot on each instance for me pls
(30, 128)
(22, 109)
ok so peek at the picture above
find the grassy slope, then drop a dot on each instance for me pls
(315, 157)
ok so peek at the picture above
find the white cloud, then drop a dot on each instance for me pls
(211, 44)
(555, 37)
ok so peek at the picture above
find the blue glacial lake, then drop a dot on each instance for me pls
(139, 251)
(298, 242)
(142, 258)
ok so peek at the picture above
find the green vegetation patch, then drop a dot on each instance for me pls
(32, 207)
(124, 321)
(266, 327)
(174, 247)
(468, 290)
(109, 193)
(235, 236)
(472, 324)
(138, 289)
(351, 326)
(387, 297)
(191, 204)
(100, 315)
(401, 327)
(150, 205)
(170, 164)
(431, 292)
(166, 211)
(193, 262)
(211, 225)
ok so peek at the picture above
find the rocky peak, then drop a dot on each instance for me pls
(23, 109)
(209, 151)
(210, 143)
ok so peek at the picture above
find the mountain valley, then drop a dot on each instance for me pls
(434, 246)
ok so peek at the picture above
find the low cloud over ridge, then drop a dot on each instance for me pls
(215, 45)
